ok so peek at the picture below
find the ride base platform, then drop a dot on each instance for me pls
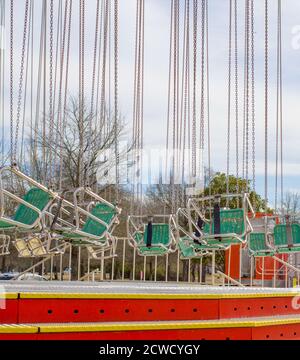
(146, 311)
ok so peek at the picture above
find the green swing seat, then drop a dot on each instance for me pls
(161, 239)
(232, 222)
(281, 238)
(92, 228)
(24, 214)
(258, 247)
(191, 250)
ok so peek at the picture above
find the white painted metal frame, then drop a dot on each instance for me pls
(137, 224)
(193, 206)
(40, 221)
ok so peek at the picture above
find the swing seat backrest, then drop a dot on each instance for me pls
(257, 242)
(232, 222)
(160, 234)
(36, 197)
(281, 235)
(104, 213)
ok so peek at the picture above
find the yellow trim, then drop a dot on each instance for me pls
(11, 296)
(18, 329)
(70, 328)
(153, 296)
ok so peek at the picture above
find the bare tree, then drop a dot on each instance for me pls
(291, 203)
(71, 155)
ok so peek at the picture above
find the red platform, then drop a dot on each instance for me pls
(148, 311)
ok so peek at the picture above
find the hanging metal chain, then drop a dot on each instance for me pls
(103, 82)
(13, 160)
(229, 100)
(202, 75)
(266, 98)
(21, 81)
(194, 118)
(247, 95)
(116, 94)
(253, 95)
(236, 75)
(81, 176)
(92, 117)
(60, 87)
(278, 107)
(51, 119)
(65, 95)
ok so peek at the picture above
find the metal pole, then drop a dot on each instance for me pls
(213, 269)
(113, 261)
(189, 273)
(167, 266)
(144, 275)
(102, 266)
(60, 267)
(89, 267)
(274, 273)
(200, 270)
(78, 263)
(251, 270)
(123, 260)
(155, 268)
(51, 267)
(263, 272)
(241, 260)
(178, 266)
(229, 264)
(70, 263)
(133, 268)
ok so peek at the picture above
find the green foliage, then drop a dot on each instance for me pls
(218, 185)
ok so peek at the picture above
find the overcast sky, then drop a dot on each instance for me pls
(157, 24)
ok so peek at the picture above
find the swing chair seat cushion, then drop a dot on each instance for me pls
(37, 247)
(22, 248)
(152, 251)
(286, 250)
(186, 248)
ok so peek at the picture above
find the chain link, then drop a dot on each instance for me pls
(266, 98)
(195, 31)
(202, 74)
(12, 81)
(51, 120)
(116, 64)
(236, 94)
(253, 95)
(229, 99)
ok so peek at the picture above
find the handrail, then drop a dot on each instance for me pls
(87, 275)
(226, 277)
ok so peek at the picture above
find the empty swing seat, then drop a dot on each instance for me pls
(92, 229)
(25, 217)
(160, 242)
(284, 242)
(258, 246)
(232, 229)
(191, 250)
(37, 247)
(22, 248)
